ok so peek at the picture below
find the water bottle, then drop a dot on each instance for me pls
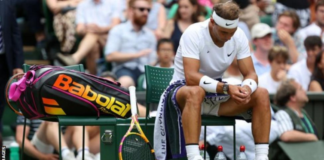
(201, 150)
(14, 151)
(242, 155)
(220, 155)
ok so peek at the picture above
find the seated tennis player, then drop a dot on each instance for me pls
(206, 50)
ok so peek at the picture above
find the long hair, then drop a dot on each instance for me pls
(194, 18)
(318, 73)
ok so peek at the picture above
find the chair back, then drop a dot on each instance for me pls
(157, 80)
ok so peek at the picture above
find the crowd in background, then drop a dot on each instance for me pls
(286, 41)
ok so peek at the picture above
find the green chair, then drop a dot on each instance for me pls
(140, 82)
(157, 80)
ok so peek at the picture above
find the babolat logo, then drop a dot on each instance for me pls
(66, 83)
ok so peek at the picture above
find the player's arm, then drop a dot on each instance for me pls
(246, 68)
(195, 78)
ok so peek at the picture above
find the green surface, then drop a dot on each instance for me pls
(304, 150)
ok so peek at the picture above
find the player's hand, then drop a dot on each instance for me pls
(241, 95)
(49, 157)
(143, 53)
(285, 37)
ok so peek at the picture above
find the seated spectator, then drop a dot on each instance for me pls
(278, 57)
(249, 13)
(157, 19)
(301, 7)
(64, 22)
(203, 12)
(285, 34)
(185, 16)
(302, 71)
(41, 139)
(261, 38)
(315, 28)
(94, 19)
(317, 79)
(131, 45)
(294, 124)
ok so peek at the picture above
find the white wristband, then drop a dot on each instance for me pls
(251, 83)
(208, 84)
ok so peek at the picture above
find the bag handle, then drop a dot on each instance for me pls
(7, 88)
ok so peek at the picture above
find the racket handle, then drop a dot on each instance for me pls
(132, 92)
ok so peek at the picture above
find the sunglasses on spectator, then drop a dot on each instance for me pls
(142, 9)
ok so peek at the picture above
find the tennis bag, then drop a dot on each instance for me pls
(46, 91)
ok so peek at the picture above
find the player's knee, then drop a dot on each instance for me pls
(195, 94)
(262, 97)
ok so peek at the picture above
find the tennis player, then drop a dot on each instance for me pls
(206, 50)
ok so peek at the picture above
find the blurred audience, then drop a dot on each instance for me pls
(317, 79)
(131, 45)
(316, 28)
(186, 15)
(301, 71)
(42, 138)
(301, 7)
(261, 38)
(278, 57)
(157, 19)
(11, 51)
(203, 12)
(94, 19)
(64, 22)
(294, 124)
(285, 34)
(249, 12)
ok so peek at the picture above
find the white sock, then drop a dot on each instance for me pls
(65, 151)
(86, 150)
(261, 150)
(192, 151)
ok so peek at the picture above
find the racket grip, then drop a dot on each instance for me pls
(132, 92)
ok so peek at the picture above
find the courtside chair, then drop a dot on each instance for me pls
(157, 80)
(105, 123)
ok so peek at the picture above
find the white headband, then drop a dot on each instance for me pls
(225, 22)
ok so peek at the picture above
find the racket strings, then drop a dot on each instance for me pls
(135, 148)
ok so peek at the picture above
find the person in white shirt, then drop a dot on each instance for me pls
(206, 50)
(302, 70)
(316, 28)
(278, 57)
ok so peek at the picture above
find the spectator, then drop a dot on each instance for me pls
(64, 22)
(302, 71)
(249, 13)
(261, 35)
(108, 75)
(41, 139)
(203, 12)
(294, 124)
(157, 19)
(317, 79)
(185, 16)
(131, 45)
(278, 57)
(316, 27)
(11, 53)
(285, 34)
(301, 7)
(94, 19)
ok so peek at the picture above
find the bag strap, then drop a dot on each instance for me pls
(7, 88)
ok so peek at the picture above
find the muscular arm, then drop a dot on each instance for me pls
(247, 69)
(192, 74)
(297, 136)
(29, 148)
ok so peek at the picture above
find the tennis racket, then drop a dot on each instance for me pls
(135, 145)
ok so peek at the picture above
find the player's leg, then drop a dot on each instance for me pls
(189, 99)
(261, 116)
